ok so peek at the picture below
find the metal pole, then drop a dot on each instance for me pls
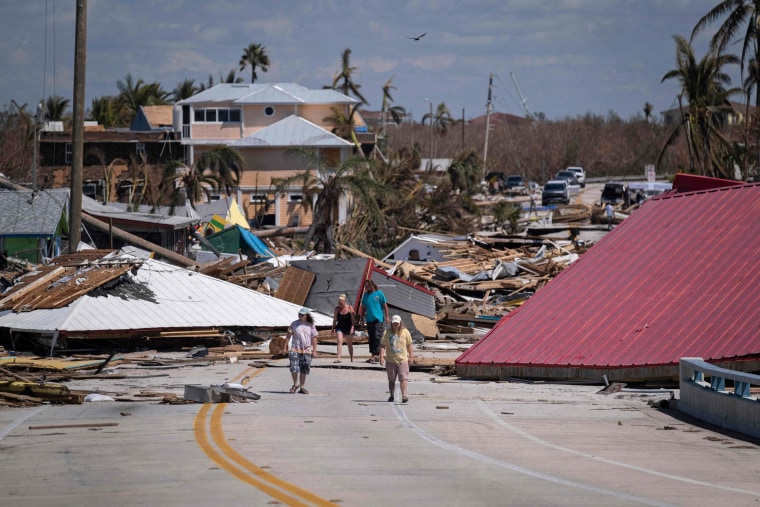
(462, 129)
(488, 125)
(432, 151)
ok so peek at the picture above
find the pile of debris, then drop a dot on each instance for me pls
(444, 287)
(29, 380)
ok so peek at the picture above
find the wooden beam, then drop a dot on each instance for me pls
(24, 290)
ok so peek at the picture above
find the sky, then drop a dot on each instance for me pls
(562, 58)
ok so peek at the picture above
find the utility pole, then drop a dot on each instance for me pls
(488, 123)
(430, 118)
(77, 153)
(462, 148)
(39, 118)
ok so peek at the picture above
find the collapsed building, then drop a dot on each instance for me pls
(678, 278)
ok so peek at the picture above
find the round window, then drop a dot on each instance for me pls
(269, 111)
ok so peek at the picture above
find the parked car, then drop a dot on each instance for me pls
(555, 191)
(616, 193)
(515, 181)
(568, 176)
(580, 174)
(572, 181)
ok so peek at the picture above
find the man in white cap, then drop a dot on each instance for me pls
(398, 342)
(302, 346)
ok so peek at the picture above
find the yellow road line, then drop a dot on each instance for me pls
(231, 461)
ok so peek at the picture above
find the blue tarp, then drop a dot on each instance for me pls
(255, 243)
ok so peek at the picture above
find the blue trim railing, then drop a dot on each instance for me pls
(718, 376)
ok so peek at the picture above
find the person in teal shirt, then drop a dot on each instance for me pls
(374, 310)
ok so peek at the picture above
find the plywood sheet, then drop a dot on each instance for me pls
(295, 285)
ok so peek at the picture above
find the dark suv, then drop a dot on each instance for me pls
(555, 191)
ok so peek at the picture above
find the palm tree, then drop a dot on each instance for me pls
(231, 77)
(215, 170)
(55, 107)
(254, 55)
(184, 90)
(344, 125)
(324, 184)
(441, 121)
(104, 111)
(397, 113)
(186, 183)
(344, 81)
(505, 212)
(703, 84)
(750, 150)
(130, 93)
(465, 172)
(133, 94)
(208, 84)
(737, 13)
(225, 163)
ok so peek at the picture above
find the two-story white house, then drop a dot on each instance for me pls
(263, 122)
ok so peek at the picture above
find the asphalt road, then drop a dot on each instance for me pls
(456, 443)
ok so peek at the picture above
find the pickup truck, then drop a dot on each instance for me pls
(580, 174)
(616, 193)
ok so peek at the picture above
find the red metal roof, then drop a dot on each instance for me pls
(679, 278)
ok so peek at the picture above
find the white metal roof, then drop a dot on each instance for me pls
(106, 211)
(267, 93)
(162, 297)
(292, 131)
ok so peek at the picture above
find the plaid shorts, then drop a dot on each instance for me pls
(299, 362)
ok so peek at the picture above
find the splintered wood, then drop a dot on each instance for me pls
(55, 286)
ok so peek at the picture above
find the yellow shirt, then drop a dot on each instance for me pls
(396, 345)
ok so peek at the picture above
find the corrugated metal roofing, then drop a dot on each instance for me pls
(405, 295)
(292, 131)
(267, 93)
(346, 276)
(32, 213)
(332, 278)
(678, 278)
(107, 212)
(164, 297)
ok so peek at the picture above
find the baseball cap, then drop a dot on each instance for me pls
(396, 319)
(304, 311)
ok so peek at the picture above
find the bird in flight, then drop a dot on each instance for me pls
(418, 37)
